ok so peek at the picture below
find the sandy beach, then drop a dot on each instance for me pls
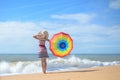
(97, 73)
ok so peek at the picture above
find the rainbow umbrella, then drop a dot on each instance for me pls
(61, 44)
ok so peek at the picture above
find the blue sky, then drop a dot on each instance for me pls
(94, 25)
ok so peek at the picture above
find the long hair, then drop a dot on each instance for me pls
(46, 34)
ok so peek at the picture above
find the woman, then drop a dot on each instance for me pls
(42, 37)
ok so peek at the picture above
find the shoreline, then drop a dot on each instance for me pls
(96, 73)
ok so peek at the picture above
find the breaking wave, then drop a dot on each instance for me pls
(56, 64)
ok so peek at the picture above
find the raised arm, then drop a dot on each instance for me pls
(36, 37)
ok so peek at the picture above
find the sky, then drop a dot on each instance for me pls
(94, 25)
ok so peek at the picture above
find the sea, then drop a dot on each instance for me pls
(14, 64)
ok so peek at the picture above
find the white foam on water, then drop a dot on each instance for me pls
(57, 64)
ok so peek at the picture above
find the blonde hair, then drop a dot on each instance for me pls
(44, 33)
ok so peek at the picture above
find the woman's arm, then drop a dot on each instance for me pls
(36, 37)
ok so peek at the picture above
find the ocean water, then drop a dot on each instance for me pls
(11, 64)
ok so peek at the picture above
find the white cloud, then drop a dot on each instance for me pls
(82, 18)
(20, 33)
(86, 33)
(16, 29)
(17, 36)
(114, 32)
(114, 4)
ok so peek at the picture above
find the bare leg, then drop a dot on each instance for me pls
(44, 64)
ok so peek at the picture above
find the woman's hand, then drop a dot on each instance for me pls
(36, 36)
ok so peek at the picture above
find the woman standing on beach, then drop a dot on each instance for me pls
(42, 37)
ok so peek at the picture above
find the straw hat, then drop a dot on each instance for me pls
(44, 33)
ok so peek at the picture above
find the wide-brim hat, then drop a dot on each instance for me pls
(45, 33)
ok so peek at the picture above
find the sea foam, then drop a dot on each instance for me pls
(56, 64)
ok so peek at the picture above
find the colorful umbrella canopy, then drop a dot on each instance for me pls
(61, 44)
